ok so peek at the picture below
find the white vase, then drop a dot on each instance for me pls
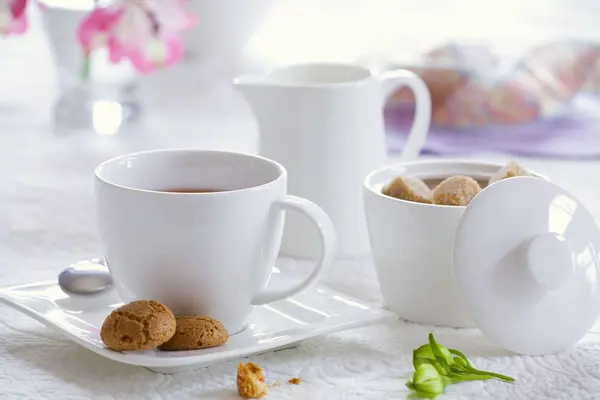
(224, 28)
(105, 102)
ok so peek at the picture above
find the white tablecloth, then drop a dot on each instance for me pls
(47, 222)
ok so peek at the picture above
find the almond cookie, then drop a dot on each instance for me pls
(456, 191)
(193, 333)
(251, 381)
(409, 189)
(510, 170)
(139, 325)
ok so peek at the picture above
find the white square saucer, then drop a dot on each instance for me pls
(275, 326)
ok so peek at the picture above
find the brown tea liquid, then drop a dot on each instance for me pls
(434, 182)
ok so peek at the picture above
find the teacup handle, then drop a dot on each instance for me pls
(394, 80)
(328, 241)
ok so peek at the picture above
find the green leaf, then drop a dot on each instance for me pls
(425, 355)
(460, 355)
(442, 354)
(437, 367)
(427, 381)
(424, 352)
(459, 363)
(468, 378)
(462, 361)
(421, 355)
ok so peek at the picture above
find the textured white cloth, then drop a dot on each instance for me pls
(47, 222)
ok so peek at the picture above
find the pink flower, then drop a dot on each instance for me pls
(13, 18)
(145, 32)
(95, 29)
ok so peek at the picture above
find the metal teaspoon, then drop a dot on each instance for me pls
(86, 277)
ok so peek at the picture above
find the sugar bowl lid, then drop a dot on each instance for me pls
(526, 260)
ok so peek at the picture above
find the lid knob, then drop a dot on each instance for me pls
(550, 260)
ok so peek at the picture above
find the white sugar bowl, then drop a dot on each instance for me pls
(521, 260)
(412, 243)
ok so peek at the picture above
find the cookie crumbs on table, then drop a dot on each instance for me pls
(295, 381)
(251, 381)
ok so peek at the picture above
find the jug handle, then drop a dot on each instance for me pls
(394, 80)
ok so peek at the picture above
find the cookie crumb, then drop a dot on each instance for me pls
(276, 384)
(251, 381)
(295, 381)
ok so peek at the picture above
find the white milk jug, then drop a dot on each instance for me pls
(324, 123)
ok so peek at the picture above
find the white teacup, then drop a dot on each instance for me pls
(207, 253)
(413, 243)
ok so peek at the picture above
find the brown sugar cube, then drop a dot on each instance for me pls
(456, 191)
(410, 189)
(139, 325)
(510, 170)
(192, 333)
(251, 381)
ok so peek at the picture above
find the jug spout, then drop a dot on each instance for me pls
(249, 81)
(256, 91)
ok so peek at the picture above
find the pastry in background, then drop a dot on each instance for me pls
(441, 83)
(592, 83)
(471, 88)
(466, 55)
(466, 106)
(511, 104)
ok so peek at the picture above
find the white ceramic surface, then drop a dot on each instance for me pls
(413, 243)
(224, 28)
(324, 123)
(526, 262)
(271, 327)
(200, 253)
